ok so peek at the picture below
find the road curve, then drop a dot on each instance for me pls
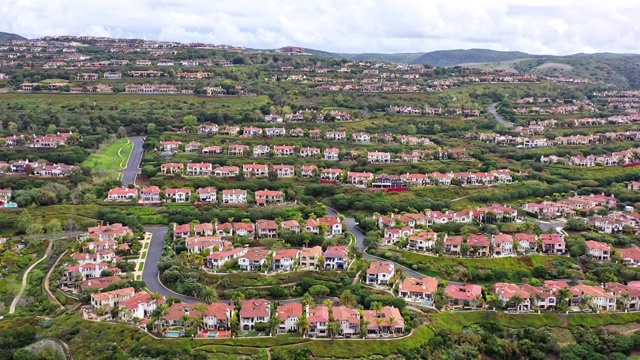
(351, 225)
(25, 277)
(492, 110)
(150, 274)
(133, 166)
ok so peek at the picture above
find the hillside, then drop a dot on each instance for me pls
(4, 37)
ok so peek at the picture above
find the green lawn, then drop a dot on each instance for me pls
(141, 266)
(109, 160)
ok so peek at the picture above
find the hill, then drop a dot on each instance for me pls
(5, 37)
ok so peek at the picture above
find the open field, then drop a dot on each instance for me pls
(110, 159)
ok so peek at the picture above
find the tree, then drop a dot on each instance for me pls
(190, 121)
(13, 127)
(307, 300)
(53, 227)
(209, 295)
(319, 291)
(347, 299)
(34, 230)
(24, 220)
(334, 328)
(303, 324)
(516, 300)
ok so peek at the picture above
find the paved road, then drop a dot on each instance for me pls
(492, 109)
(133, 166)
(154, 254)
(351, 225)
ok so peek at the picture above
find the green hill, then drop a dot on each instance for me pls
(6, 37)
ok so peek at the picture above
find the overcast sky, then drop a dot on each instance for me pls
(535, 26)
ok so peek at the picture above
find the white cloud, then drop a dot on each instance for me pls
(541, 26)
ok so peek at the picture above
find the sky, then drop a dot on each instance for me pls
(554, 27)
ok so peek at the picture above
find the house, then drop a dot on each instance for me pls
(553, 244)
(378, 157)
(139, 307)
(177, 311)
(285, 259)
(360, 179)
(318, 318)
(465, 295)
(218, 258)
(150, 195)
(122, 194)
(86, 271)
(198, 244)
(384, 181)
(419, 290)
(275, 132)
(334, 135)
(306, 152)
(178, 195)
(246, 229)
(254, 311)
(336, 257)
(267, 228)
(238, 149)
(87, 77)
(265, 197)
(379, 273)
(226, 171)
(502, 245)
(285, 171)
(207, 194)
(334, 226)
(541, 297)
(211, 150)
(205, 129)
(480, 244)
(634, 185)
(596, 297)
(453, 244)
(630, 256)
(288, 315)
(290, 225)
(349, 320)
(526, 242)
(199, 169)
(261, 150)
(331, 154)
(217, 316)
(171, 168)
(101, 283)
(111, 299)
(308, 171)
(112, 75)
(251, 132)
(255, 170)
(192, 147)
(414, 179)
(108, 232)
(285, 150)
(181, 231)
(234, 196)
(170, 147)
(423, 241)
(599, 251)
(361, 137)
(309, 257)
(253, 259)
(330, 174)
(312, 226)
(387, 320)
(506, 292)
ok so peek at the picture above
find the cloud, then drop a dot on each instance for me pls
(543, 26)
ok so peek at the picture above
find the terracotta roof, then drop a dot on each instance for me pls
(384, 267)
(254, 308)
(256, 254)
(466, 292)
(291, 253)
(119, 292)
(315, 251)
(598, 245)
(426, 285)
(384, 315)
(219, 310)
(341, 313)
(319, 314)
(101, 283)
(291, 310)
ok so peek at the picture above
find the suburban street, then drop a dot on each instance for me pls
(133, 166)
(492, 110)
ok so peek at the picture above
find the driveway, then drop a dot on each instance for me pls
(133, 166)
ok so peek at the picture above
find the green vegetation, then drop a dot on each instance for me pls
(110, 159)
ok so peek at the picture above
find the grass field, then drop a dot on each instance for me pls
(110, 159)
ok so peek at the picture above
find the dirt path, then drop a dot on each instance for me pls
(46, 280)
(14, 303)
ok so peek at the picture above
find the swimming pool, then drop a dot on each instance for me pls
(212, 334)
(172, 334)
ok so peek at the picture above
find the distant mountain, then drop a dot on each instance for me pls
(5, 37)
(434, 58)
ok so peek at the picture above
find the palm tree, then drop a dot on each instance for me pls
(158, 314)
(516, 300)
(347, 299)
(237, 298)
(334, 328)
(307, 300)
(156, 296)
(209, 295)
(564, 295)
(274, 322)
(392, 321)
(234, 322)
(201, 308)
(303, 325)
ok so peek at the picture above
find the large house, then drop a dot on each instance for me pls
(110, 299)
(553, 244)
(466, 295)
(254, 311)
(506, 292)
(265, 197)
(234, 196)
(285, 259)
(598, 250)
(419, 290)
(309, 257)
(379, 273)
(207, 195)
(178, 195)
(218, 316)
(336, 257)
(122, 194)
(253, 259)
(288, 315)
(150, 195)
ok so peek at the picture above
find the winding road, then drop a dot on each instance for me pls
(492, 110)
